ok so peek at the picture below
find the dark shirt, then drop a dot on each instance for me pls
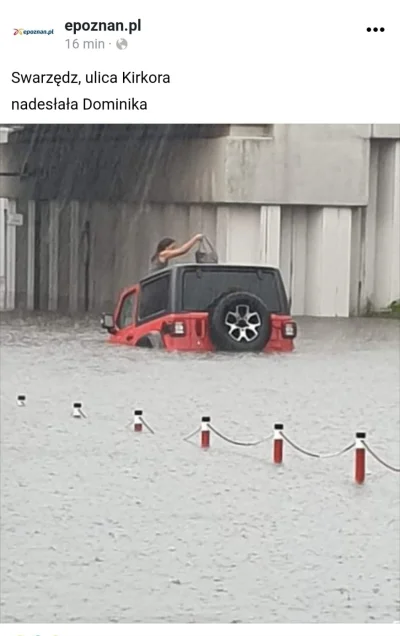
(157, 264)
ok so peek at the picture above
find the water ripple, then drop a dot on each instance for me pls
(100, 525)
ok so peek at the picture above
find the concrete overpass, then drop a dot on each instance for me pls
(322, 202)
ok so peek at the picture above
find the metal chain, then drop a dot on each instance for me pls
(236, 442)
(147, 426)
(318, 455)
(289, 441)
(188, 437)
(381, 461)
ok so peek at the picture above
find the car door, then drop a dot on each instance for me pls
(126, 317)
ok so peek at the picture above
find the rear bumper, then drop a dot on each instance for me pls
(195, 335)
(190, 333)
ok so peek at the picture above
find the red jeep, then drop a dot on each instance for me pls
(205, 307)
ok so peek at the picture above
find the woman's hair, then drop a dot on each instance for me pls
(164, 244)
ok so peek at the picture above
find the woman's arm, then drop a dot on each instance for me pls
(180, 251)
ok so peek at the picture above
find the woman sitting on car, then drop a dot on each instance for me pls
(167, 249)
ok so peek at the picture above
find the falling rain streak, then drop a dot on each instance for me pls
(99, 503)
(87, 505)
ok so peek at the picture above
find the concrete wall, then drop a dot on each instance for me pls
(375, 252)
(298, 165)
(387, 257)
(320, 202)
(72, 266)
(320, 251)
(385, 131)
(86, 252)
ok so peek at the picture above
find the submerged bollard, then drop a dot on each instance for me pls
(205, 432)
(77, 410)
(137, 421)
(278, 444)
(359, 458)
(21, 400)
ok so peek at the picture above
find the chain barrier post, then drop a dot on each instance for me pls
(77, 411)
(359, 458)
(205, 432)
(21, 400)
(137, 421)
(278, 443)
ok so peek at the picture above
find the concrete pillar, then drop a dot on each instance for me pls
(3, 220)
(74, 235)
(11, 254)
(285, 262)
(248, 234)
(238, 234)
(270, 234)
(357, 261)
(395, 279)
(387, 254)
(54, 213)
(63, 261)
(222, 233)
(30, 293)
(367, 275)
(21, 249)
(299, 260)
(293, 255)
(4, 132)
(43, 256)
(328, 262)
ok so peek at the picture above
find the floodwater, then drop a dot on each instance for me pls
(101, 524)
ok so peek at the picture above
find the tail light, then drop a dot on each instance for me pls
(178, 328)
(174, 328)
(289, 330)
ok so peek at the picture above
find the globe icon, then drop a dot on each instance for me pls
(121, 44)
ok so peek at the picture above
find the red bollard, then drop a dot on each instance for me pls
(205, 432)
(359, 467)
(137, 421)
(278, 443)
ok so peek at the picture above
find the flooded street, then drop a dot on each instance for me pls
(100, 524)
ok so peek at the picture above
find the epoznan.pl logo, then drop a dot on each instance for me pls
(37, 32)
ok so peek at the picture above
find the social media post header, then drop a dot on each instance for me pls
(155, 62)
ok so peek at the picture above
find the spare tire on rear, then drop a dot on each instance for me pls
(239, 321)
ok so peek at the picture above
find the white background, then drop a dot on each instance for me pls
(255, 61)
